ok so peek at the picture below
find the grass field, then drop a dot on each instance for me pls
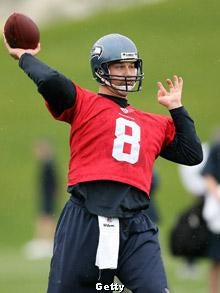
(173, 37)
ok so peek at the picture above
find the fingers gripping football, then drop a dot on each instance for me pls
(16, 53)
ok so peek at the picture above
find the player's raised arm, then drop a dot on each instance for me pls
(56, 89)
(186, 147)
(22, 40)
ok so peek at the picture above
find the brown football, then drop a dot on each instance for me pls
(21, 32)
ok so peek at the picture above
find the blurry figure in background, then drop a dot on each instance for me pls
(211, 211)
(194, 184)
(47, 191)
(152, 210)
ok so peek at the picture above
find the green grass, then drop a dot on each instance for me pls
(173, 37)
(20, 275)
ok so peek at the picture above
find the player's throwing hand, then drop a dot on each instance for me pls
(170, 98)
(16, 53)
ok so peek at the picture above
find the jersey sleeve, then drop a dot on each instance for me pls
(57, 90)
(81, 102)
(65, 116)
(170, 132)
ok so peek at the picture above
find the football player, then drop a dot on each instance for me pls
(103, 230)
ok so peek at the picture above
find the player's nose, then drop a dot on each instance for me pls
(129, 70)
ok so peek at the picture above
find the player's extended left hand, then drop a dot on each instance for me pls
(16, 53)
(170, 98)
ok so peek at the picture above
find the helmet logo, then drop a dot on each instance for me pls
(129, 55)
(96, 51)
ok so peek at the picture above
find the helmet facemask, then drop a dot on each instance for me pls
(131, 83)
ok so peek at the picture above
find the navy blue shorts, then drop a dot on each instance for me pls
(73, 270)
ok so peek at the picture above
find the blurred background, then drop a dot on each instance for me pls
(173, 37)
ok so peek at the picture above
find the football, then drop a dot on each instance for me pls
(21, 32)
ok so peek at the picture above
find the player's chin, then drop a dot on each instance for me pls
(123, 93)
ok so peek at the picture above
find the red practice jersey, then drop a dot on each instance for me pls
(108, 142)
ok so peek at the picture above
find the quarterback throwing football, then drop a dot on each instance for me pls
(103, 230)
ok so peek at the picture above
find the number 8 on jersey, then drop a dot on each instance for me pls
(122, 138)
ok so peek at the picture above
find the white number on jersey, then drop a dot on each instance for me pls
(122, 138)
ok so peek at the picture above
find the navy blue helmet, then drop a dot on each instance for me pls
(115, 48)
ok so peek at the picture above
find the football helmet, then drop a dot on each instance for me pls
(116, 48)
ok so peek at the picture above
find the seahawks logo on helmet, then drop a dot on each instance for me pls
(96, 51)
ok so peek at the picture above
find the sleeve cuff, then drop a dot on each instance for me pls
(22, 59)
(175, 113)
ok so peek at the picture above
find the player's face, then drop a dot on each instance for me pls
(121, 70)
(122, 76)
